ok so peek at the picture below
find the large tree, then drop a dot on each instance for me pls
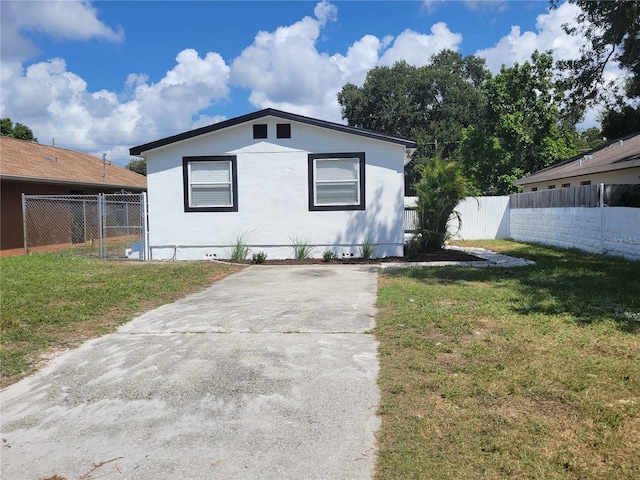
(430, 104)
(522, 129)
(611, 30)
(20, 131)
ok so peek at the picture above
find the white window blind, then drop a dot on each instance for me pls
(337, 181)
(210, 184)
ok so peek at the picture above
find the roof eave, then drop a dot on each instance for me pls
(586, 171)
(57, 181)
(141, 149)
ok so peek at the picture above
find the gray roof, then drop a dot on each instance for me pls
(140, 149)
(616, 155)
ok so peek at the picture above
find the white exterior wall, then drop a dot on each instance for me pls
(614, 231)
(481, 218)
(273, 205)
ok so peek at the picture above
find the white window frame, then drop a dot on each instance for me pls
(188, 163)
(358, 182)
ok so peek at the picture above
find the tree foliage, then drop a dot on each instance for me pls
(441, 187)
(138, 166)
(612, 33)
(430, 104)
(522, 129)
(19, 131)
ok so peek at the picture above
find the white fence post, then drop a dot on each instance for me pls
(602, 249)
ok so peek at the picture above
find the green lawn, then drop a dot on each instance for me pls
(51, 302)
(527, 373)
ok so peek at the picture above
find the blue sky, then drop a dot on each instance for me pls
(105, 76)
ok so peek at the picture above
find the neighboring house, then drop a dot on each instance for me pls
(617, 162)
(35, 169)
(270, 179)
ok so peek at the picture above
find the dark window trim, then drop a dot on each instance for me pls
(234, 182)
(283, 130)
(311, 175)
(260, 130)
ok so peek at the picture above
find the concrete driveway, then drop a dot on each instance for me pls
(267, 374)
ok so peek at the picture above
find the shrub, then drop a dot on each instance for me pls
(240, 250)
(259, 258)
(328, 256)
(440, 188)
(301, 249)
(367, 248)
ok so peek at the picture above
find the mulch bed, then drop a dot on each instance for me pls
(436, 256)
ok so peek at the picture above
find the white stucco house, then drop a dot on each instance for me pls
(273, 178)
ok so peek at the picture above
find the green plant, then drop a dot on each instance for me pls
(367, 248)
(240, 250)
(259, 258)
(412, 249)
(441, 187)
(328, 256)
(301, 249)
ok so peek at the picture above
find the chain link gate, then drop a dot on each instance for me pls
(110, 226)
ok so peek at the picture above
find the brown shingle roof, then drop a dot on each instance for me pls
(616, 155)
(28, 161)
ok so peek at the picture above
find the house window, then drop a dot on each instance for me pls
(584, 184)
(210, 184)
(566, 185)
(260, 130)
(336, 181)
(283, 130)
(534, 189)
(551, 187)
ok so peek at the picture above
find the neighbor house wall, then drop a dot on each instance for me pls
(622, 176)
(614, 231)
(273, 206)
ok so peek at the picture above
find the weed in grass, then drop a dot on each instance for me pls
(240, 250)
(301, 249)
(367, 248)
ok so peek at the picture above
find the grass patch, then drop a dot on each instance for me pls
(529, 372)
(52, 302)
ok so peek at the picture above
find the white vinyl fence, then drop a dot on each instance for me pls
(481, 218)
(597, 229)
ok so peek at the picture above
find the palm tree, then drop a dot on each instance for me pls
(441, 187)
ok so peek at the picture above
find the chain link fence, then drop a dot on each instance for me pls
(111, 226)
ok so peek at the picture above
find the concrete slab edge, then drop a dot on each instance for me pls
(491, 259)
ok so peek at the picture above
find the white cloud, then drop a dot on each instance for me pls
(549, 35)
(56, 102)
(284, 69)
(61, 20)
(417, 48)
